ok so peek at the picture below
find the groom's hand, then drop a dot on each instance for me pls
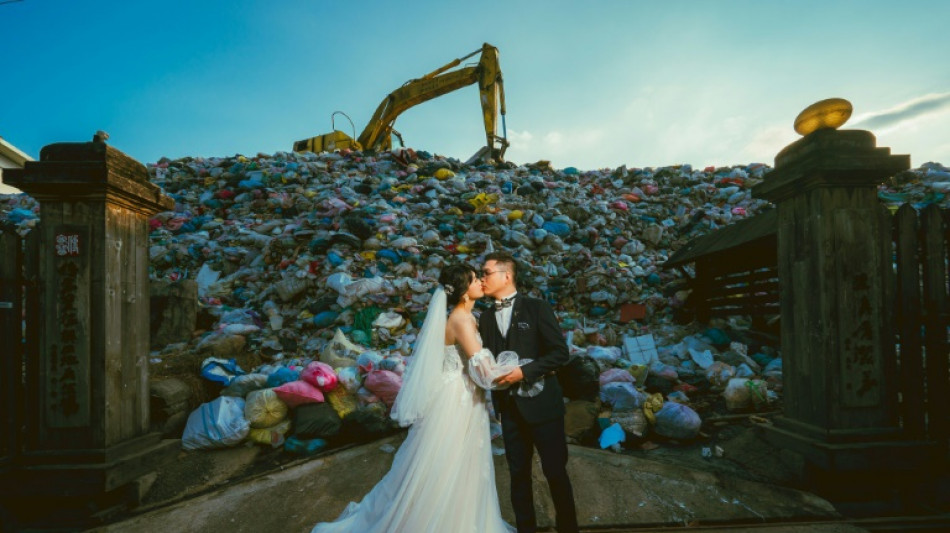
(511, 377)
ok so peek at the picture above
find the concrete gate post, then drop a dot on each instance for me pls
(87, 417)
(835, 268)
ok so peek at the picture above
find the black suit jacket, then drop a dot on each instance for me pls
(533, 334)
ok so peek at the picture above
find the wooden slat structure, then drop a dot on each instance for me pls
(922, 246)
(736, 274)
(735, 270)
(18, 326)
(11, 374)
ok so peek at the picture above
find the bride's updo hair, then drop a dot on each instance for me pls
(455, 280)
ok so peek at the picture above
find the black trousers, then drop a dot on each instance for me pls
(521, 439)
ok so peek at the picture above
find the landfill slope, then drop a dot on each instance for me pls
(331, 257)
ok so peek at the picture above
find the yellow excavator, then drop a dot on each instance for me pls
(377, 135)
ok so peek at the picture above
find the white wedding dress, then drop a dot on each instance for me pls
(442, 479)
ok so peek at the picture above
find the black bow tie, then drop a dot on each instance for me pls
(504, 303)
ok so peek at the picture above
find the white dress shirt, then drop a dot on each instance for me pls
(503, 317)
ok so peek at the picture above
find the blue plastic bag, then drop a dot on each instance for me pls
(220, 370)
(280, 376)
(219, 423)
(19, 215)
(304, 446)
(612, 437)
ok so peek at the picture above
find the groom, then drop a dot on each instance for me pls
(528, 327)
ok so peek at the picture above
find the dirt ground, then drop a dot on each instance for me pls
(735, 448)
(730, 446)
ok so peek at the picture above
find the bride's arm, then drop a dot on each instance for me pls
(466, 335)
(482, 367)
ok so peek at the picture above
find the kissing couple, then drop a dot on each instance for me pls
(442, 479)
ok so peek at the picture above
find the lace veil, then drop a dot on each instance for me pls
(423, 374)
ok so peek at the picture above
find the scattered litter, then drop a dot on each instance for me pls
(321, 265)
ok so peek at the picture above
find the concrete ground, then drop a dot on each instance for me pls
(614, 492)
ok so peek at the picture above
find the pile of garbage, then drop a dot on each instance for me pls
(322, 265)
(919, 187)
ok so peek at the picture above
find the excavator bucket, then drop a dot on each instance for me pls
(327, 143)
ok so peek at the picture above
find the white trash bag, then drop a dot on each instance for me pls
(219, 423)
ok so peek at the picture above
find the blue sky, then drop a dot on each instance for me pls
(588, 84)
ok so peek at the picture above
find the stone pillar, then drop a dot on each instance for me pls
(87, 393)
(835, 269)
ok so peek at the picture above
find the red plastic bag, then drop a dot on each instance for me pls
(320, 375)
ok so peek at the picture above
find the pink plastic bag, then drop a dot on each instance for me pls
(298, 392)
(612, 375)
(320, 375)
(384, 384)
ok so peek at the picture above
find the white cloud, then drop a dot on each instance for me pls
(519, 141)
(765, 142)
(905, 113)
(553, 139)
(709, 126)
(561, 148)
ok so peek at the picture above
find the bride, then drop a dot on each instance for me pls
(442, 478)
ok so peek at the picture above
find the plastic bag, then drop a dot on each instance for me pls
(579, 378)
(611, 437)
(743, 393)
(773, 368)
(612, 375)
(320, 375)
(264, 409)
(339, 282)
(220, 370)
(366, 423)
(349, 377)
(702, 358)
(633, 422)
(719, 374)
(605, 355)
(304, 446)
(664, 371)
(274, 435)
(384, 384)
(337, 353)
(394, 363)
(241, 386)
(744, 371)
(639, 373)
(282, 375)
(677, 421)
(369, 361)
(205, 278)
(366, 397)
(622, 396)
(342, 401)
(316, 420)
(219, 423)
(298, 392)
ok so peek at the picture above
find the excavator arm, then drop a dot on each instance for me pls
(376, 135)
(378, 132)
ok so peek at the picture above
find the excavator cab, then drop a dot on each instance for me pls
(329, 142)
(377, 135)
